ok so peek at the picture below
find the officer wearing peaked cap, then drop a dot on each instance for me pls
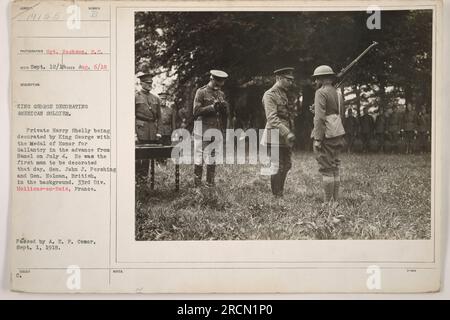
(279, 116)
(147, 115)
(210, 111)
(218, 74)
(328, 132)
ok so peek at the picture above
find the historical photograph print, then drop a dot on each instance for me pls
(295, 125)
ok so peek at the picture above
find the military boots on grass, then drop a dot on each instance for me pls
(198, 171)
(337, 184)
(210, 175)
(328, 188)
(277, 182)
(331, 186)
(275, 185)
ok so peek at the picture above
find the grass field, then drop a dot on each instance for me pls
(383, 197)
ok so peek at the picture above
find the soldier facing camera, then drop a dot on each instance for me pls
(147, 116)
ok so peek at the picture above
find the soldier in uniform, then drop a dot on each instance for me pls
(394, 126)
(183, 117)
(423, 129)
(409, 127)
(381, 128)
(328, 132)
(209, 111)
(167, 120)
(280, 116)
(351, 127)
(366, 127)
(147, 116)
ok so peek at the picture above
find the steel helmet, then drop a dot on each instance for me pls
(323, 71)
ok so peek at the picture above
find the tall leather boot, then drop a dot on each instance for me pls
(275, 184)
(198, 171)
(142, 167)
(337, 183)
(328, 188)
(210, 174)
(283, 176)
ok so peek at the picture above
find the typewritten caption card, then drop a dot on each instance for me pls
(113, 107)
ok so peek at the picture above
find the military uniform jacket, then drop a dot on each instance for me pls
(167, 121)
(351, 125)
(279, 115)
(423, 123)
(367, 124)
(409, 121)
(203, 109)
(394, 122)
(380, 124)
(147, 114)
(325, 103)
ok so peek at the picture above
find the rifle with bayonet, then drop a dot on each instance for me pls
(341, 75)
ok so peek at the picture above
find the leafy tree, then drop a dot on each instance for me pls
(251, 44)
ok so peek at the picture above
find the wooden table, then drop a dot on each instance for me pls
(153, 152)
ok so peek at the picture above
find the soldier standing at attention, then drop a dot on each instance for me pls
(394, 126)
(409, 127)
(351, 127)
(183, 117)
(167, 120)
(381, 128)
(367, 125)
(279, 116)
(423, 129)
(328, 132)
(147, 116)
(209, 110)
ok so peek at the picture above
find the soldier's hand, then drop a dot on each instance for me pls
(217, 106)
(317, 145)
(290, 140)
(158, 136)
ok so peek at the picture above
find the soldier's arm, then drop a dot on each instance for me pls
(174, 119)
(270, 106)
(140, 105)
(319, 115)
(227, 110)
(158, 111)
(342, 102)
(182, 114)
(158, 115)
(199, 109)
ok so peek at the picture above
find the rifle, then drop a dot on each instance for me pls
(341, 75)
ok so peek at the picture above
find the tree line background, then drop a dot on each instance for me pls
(250, 45)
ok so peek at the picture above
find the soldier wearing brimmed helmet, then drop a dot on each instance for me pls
(209, 111)
(328, 132)
(280, 115)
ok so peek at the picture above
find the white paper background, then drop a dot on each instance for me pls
(4, 193)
